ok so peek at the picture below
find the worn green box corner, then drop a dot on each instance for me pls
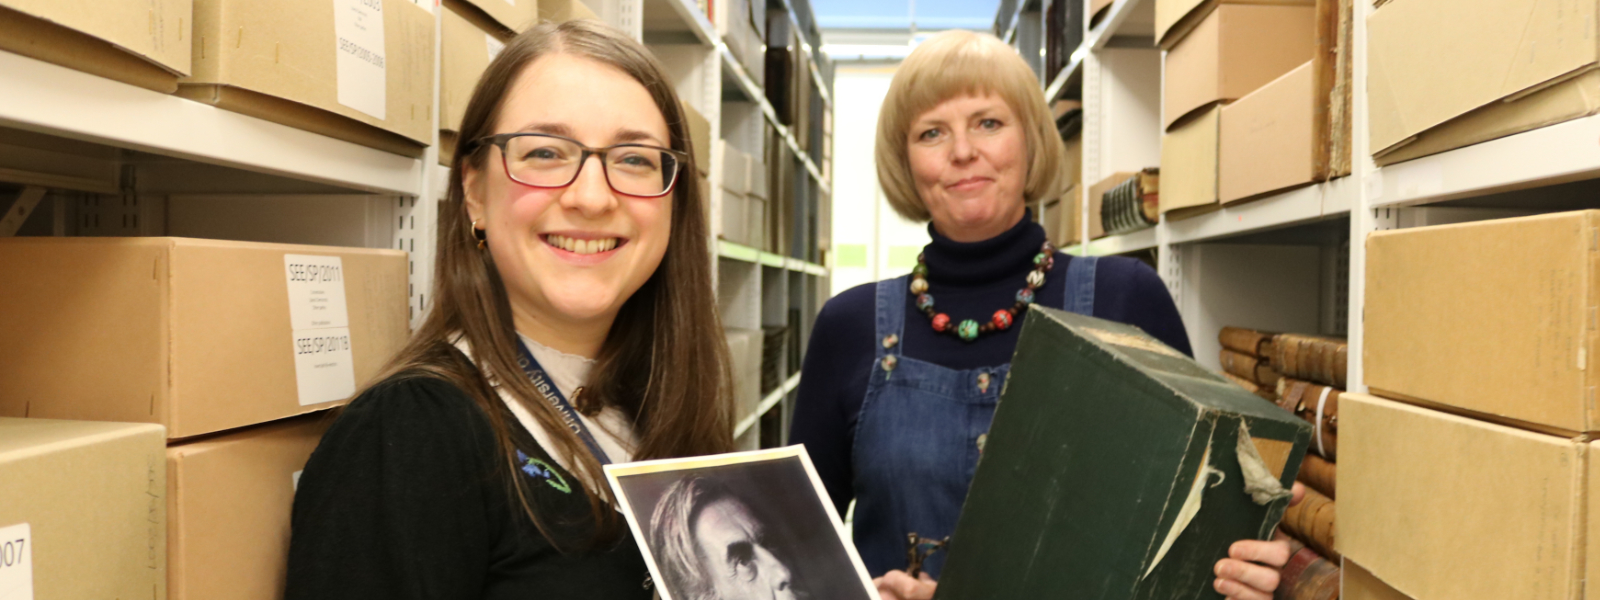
(1096, 449)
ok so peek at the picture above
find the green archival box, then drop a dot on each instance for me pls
(1117, 468)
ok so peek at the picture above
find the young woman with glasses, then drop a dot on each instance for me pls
(573, 324)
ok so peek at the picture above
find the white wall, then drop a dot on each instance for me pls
(864, 226)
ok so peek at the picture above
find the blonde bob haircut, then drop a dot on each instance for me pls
(950, 65)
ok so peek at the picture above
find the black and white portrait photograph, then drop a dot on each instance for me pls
(742, 526)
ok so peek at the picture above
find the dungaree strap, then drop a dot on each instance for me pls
(1079, 295)
(891, 313)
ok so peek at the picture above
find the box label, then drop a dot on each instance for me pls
(361, 72)
(324, 364)
(16, 563)
(495, 46)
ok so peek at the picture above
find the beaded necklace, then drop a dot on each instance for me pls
(969, 330)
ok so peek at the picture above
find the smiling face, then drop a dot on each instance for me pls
(571, 256)
(969, 163)
(736, 560)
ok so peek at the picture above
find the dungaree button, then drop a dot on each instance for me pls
(983, 383)
(890, 340)
(889, 362)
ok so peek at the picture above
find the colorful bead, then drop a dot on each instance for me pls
(968, 330)
(924, 301)
(890, 340)
(1047, 248)
(1035, 279)
(919, 286)
(1040, 258)
(1025, 296)
(919, 271)
(941, 322)
(1002, 319)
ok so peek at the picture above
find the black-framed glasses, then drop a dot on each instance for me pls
(552, 161)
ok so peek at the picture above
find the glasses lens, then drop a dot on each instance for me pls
(542, 160)
(641, 170)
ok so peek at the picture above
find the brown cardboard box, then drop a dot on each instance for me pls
(466, 47)
(1189, 165)
(143, 43)
(228, 504)
(1176, 18)
(1097, 9)
(699, 139)
(1266, 138)
(89, 499)
(511, 15)
(1096, 194)
(1448, 73)
(560, 11)
(282, 61)
(1443, 506)
(1360, 584)
(1232, 52)
(1061, 217)
(198, 335)
(1073, 159)
(1494, 317)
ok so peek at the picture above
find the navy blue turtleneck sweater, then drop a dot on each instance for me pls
(970, 281)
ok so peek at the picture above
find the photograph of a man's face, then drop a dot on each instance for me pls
(745, 526)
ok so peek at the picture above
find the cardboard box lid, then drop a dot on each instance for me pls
(1493, 317)
(1431, 61)
(155, 30)
(1442, 506)
(1189, 163)
(50, 42)
(254, 474)
(1136, 441)
(194, 334)
(1265, 140)
(1232, 52)
(93, 496)
(1176, 18)
(513, 15)
(1570, 99)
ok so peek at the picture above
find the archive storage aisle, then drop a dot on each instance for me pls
(220, 181)
(1417, 113)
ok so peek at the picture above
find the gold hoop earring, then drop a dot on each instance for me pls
(479, 234)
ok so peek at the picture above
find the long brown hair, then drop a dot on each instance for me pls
(664, 362)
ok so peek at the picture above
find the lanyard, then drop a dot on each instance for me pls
(530, 365)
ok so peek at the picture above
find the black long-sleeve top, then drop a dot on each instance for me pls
(967, 280)
(405, 499)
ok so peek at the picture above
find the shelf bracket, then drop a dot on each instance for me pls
(20, 210)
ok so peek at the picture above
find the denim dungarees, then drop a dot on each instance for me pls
(916, 437)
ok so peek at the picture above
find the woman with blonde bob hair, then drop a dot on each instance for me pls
(573, 324)
(901, 376)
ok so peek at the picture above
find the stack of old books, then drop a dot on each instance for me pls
(1304, 375)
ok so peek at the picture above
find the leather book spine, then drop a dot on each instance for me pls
(1318, 359)
(1307, 576)
(1246, 341)
(1312, 521)
(1242, 365)
(1319, 474)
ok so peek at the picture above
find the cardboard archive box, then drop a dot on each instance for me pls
(744, 348)
(1266, 139)
(1443, 506)
(1176, 18)
(143, 43)
(1121, 463)
(512, 16)
(342, 68)
(1232, 52)
(1189, 157)
(1357, 583)
(228, 504)
(1449, 73)
(83, 512)
(560, 11)
(1494, 318)
(699, 138)
(466, 46)
(197, 335)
